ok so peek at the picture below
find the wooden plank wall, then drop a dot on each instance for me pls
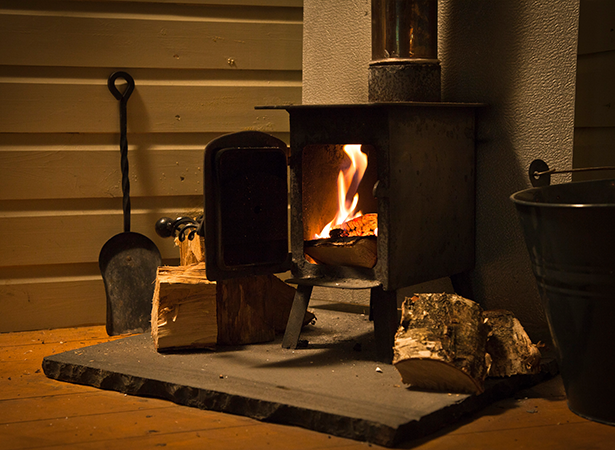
(594, 135)
(200, 67)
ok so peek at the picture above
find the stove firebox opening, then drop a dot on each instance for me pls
(340, 220)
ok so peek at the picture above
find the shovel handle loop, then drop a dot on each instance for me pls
(123, 98)
(130, 85)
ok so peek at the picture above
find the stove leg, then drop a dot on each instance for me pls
(383, 311)
(297, 313)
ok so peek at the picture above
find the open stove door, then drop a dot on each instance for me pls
(246, 206)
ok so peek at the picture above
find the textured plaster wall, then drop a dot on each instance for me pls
(517, 57)
(336, 50)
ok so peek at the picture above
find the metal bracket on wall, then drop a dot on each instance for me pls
(540, 174)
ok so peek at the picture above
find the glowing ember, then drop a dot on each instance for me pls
(347, 185)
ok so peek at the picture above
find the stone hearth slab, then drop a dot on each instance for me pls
(334, 386)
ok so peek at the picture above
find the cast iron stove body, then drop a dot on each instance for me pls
(420, 181)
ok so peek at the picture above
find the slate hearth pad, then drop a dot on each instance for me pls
(335, 385)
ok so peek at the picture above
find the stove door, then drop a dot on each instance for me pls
(246, 206)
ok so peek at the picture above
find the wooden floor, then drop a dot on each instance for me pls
(36, 412)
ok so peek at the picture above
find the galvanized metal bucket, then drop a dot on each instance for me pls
(570, 235)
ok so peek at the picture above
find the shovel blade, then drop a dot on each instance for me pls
(128, 263)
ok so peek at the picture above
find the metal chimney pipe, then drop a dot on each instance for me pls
(405, 64)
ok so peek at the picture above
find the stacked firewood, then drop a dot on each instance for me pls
(448, 343)
(191, 312)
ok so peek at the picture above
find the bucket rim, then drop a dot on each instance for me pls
(514, 197)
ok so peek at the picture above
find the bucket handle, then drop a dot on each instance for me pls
(540, 174)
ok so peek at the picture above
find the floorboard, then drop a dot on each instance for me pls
(36, 413)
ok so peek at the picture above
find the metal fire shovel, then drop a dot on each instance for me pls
(128, 261)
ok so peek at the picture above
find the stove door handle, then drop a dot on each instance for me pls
(379, 190)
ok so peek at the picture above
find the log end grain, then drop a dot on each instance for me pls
(183, 309)
(437, 375)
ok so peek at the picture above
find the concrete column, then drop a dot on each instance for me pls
(519, 58)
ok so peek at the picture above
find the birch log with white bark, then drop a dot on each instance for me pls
(440, 344)
(511, 349)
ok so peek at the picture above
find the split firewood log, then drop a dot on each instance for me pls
(440, 344)
(191, 312)
(184, 309)
(254, 309)
(510, 348)
(191, 251)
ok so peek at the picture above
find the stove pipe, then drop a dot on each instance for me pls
(405, 66)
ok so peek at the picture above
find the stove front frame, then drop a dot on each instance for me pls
(425, 189)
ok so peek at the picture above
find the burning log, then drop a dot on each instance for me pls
(365, 225)
(509, 346)
(353, 251)
(440, 344)
(352, 243)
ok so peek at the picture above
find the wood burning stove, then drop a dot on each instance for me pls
(420, 181)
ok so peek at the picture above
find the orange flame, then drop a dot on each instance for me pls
(347, 185)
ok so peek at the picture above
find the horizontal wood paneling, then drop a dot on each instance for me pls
(200, 68)
(258, 3)
(594, 133)
(595, 93)
(56, 303)
(49, 296)
(290, 3)
(133, 38)
(47, 166)
(594, 147)
(61, 237)
(596, 26)
(90, 108)
(75, 174)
